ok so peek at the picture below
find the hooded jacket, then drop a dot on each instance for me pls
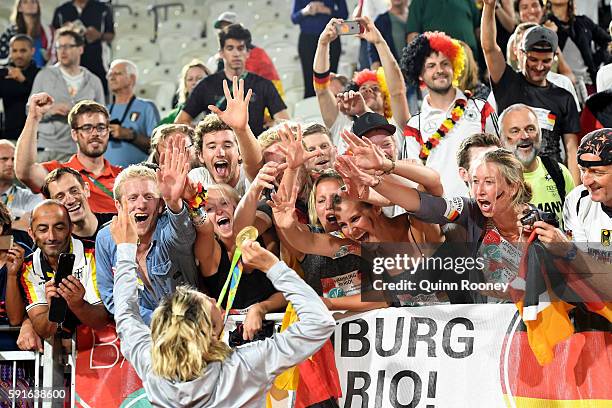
(243, 378)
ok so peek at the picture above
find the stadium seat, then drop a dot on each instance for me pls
(158, 73)
(189, 28)
(135, 46)
(160, 92)
(172, 47)
(292, 96)
(307, 110)
(216, 8)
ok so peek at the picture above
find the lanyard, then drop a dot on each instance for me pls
(221, 100)
(127, 109)
(100, 186)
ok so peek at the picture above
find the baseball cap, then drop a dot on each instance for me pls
(226, 16)
(370, 121)
(598, 143)
(540, 38)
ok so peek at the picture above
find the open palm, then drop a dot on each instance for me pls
(236, 113)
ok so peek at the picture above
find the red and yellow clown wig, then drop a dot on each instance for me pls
(415, 54)
(367, 75)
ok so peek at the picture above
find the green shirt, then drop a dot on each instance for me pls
(545, 194)
(457, 18)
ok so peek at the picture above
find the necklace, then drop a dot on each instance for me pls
(447, 125)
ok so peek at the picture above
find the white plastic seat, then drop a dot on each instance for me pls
(158, 73)
(160, 92)
(172, 47)
(307, 110)
(189, 28)
(135, 46)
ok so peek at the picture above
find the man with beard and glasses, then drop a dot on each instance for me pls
(66, 186)
(555, 107)
(164, 255)
(51, 231)
(448, 115)
(550, 181)
(89, 129)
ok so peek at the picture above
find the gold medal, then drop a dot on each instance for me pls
(249, 232)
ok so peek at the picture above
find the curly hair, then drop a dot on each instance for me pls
(415, 54)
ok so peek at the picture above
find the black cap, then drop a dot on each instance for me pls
(370, 121)
(540, 38)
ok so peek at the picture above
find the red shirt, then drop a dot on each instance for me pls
(99, 200)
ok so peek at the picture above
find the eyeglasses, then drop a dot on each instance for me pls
(88, 129)
(65, 47)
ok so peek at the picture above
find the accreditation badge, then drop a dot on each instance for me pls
(605, 237)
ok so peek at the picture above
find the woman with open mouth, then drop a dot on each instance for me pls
(347, 222)
(214, 248)
(500, 197)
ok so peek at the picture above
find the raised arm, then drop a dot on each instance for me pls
(298, 235)
(321, 68)
(393, 73)
(303, 338)
(27, 170)
(494, 55)
(135, 335)
(246, 210)
(236, 116)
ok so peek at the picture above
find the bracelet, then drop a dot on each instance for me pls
(391, 169)
(378, 180)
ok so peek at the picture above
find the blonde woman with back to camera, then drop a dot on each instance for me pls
(182, 362)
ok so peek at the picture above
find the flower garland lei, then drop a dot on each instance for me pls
(447, 125)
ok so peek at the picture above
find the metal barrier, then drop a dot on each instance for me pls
(19, 355)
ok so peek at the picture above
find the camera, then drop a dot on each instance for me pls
(537, 215)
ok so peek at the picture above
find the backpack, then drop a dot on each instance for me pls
(554, 169)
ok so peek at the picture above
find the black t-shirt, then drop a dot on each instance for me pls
(254, 287)
(556, 108)
(102, 218)
(15, 96)
(95, 14)
(209, 91)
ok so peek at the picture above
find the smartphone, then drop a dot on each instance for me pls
(6, 242)
(3, 72)
(349, 28)
(59, 307)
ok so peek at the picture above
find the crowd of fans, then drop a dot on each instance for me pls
(460, 120)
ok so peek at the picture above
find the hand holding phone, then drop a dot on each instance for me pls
(6, 242)
(349, 28)
(59, 307)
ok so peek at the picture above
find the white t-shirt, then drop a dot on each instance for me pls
(202, 175)
(73, 83)
(604, 78)
(479, 115)
(589, 226)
